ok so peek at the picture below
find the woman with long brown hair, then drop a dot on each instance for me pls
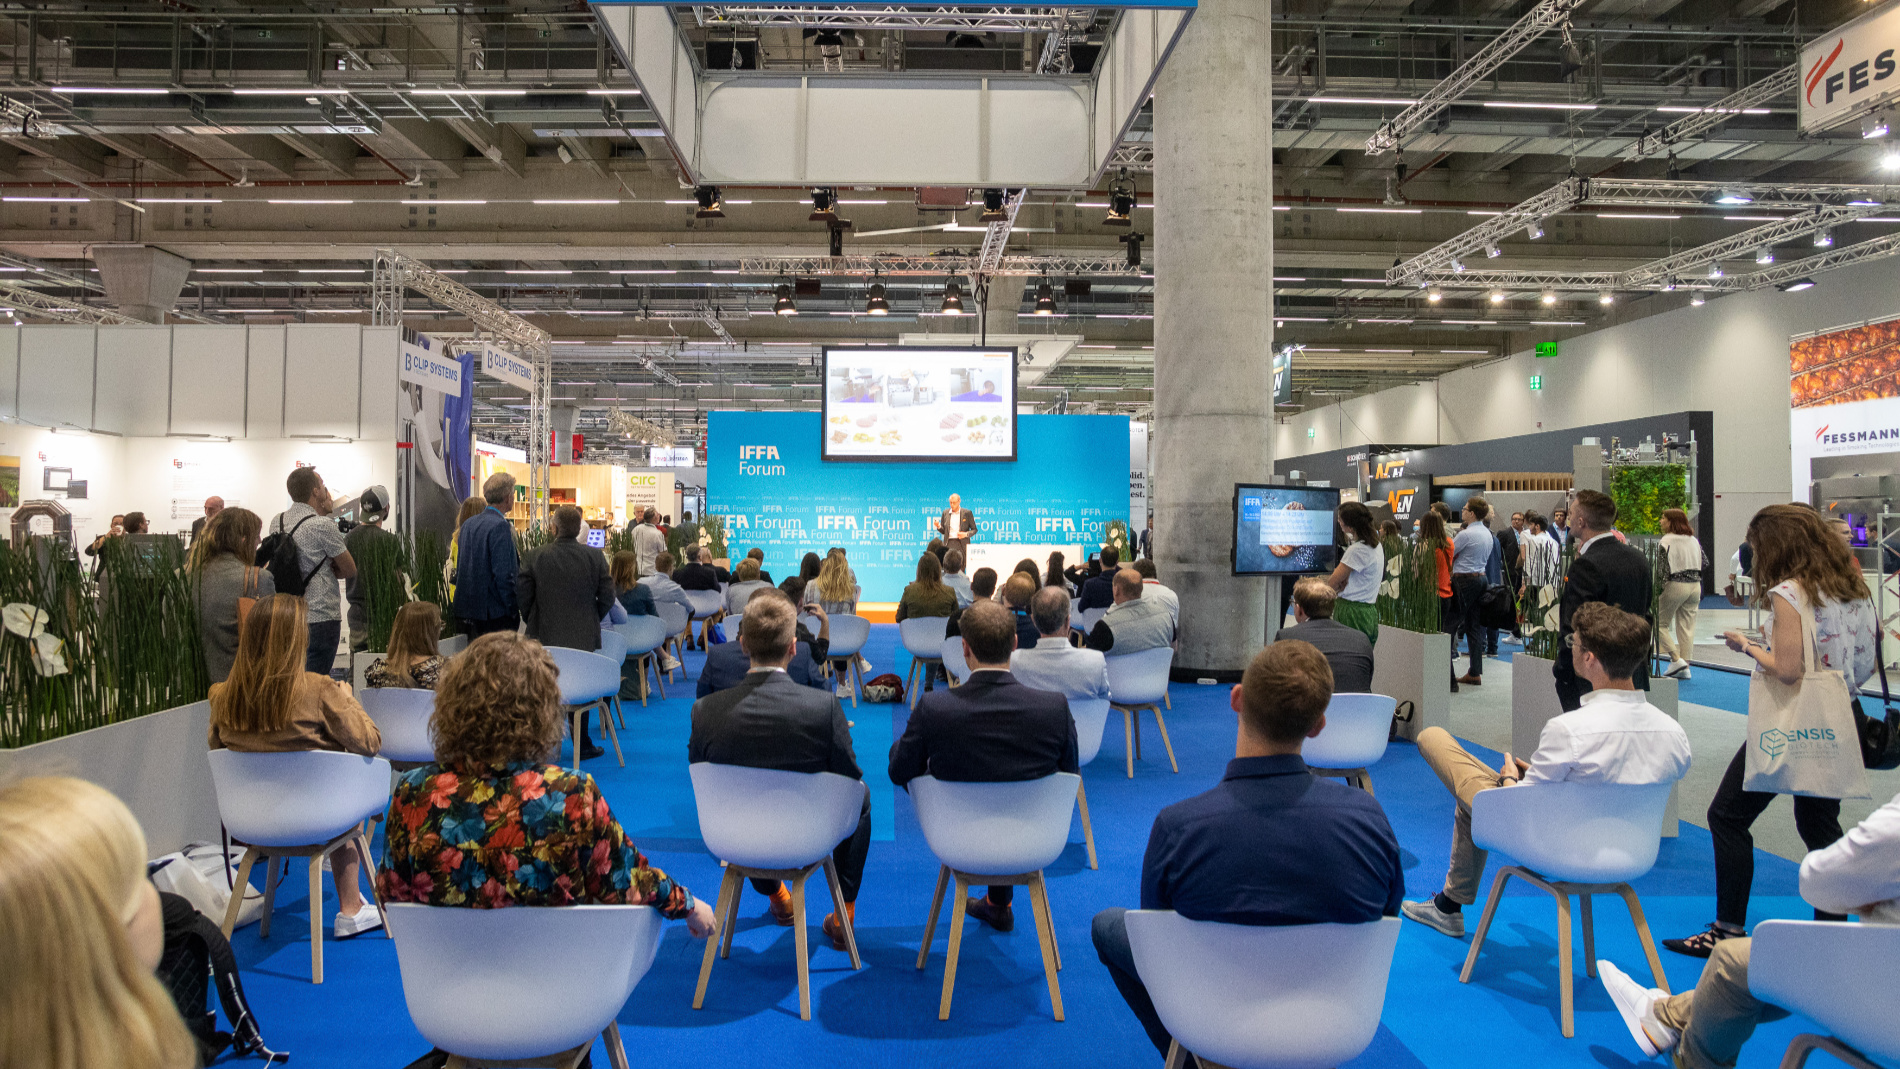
(415, 649)
(1681, 594)
(1805, 570)
(1434, 553)
(928, 596)
(471, 507)
(271, 704)
(1361, 567)
(226, 580)
(1056, 573)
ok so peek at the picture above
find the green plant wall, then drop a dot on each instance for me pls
(1642, 492)
(1408, 591)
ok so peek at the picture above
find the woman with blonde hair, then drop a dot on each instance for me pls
(415, 649)
(225, 581)
(471, 508)
(1681, 596)
(835, 590)
(271, 704)
(745, 581)
(83, 933)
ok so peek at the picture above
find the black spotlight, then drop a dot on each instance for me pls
(1133, 241)
(993, 212)
(1121, 201)
(824, 206)
(836, 244)
(952, 300)
(712, 203)
(784, 305)
(1045, 299)
(876, 305)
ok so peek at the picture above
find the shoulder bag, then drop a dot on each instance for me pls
(1802, 737)
(1879, 739)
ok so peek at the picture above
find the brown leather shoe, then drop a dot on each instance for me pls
(1001, 918)
(781, 907)
(835, 931)
(1471, 681)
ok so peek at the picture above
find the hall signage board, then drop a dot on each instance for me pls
(1849, 71)
(425, 361)
(1283, 377)
(507, 367)
(1844, 395)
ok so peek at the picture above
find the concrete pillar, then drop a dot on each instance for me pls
(1213, 323)
(143, 281)
(561, 419)
(1005, 305)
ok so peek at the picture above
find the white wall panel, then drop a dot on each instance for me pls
(134, 386)
(323, 380)
(10, 372)
(208, 386)
(56, 375)
(264, 385)
(380, 382)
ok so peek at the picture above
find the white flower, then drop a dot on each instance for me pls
(1552, 619)
(1393, 564)
(26, 621)
(1546, 595)
(1389, 588)
(48, 655)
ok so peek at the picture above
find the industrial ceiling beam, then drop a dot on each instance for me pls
(937, 265)
(1775, 85)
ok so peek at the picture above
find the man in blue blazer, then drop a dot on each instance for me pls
(727, 663)
(991, 729)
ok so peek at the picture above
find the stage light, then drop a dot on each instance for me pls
(1435, 295)
(1606, 298)
(952, 300)
(1045, 299)
(1765, 255)
(824, 206)
(1698, 300)
(1534, 231)
(1797, 285)
(1891, 159)
(1457, 267)
(1735, 196)
(712, 203)
(1874, 125)
(785, 305)
(1121, 201)
(1549, 298)
(1824, 239)
(1715, 270)
(1492, 252)
(1497, 296)
(1669, 285)
(993, 207)
(875, 304)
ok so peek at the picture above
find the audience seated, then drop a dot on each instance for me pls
(769, 721)
(746, 578)
(662, 587)
(623, 568)
(1016, 594)
(415, 651)
(835, 589)
(1153, 590)
(1706, 1027)
(992, 729)
(270, 704)
(1616, 737)
(1097, 592)
(1272, 844)
(928, 595)
(727, 664)
(954, 578)
(83, 933)
(982, 588)
(699, 572)
(758, 556)
(1347, 649)
(1132, 623)
(1054, 664)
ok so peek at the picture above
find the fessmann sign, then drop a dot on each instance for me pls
(1849, 71)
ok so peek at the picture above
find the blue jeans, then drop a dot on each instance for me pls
(324, 637)
(1110, 934)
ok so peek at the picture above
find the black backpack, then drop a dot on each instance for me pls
(278, 555)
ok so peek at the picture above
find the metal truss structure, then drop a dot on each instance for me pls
(1133, 156)
(996, 238)
(1743, 196)
(1674, 268)
(1448, 256)
(1777, 84)
(938, 266)
(1392, 133)
(1643, 278)
(645, 430)
(61, 309)
(998, 18)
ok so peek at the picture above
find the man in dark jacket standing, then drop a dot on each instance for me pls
(1605, 570)
(563, 590)
(485, 563)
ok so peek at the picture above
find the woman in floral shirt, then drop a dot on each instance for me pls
(492, 824)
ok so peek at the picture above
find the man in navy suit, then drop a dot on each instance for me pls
(727, 663)
(1605, 570)
(991, 729)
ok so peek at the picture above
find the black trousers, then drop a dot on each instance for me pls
(848, 858)
(475, 629)
(1732, 812)
(1467, 591)
(324, 637)
(1110, 934)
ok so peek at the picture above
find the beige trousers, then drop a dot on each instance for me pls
(1464, 776)
(1676, 610)
(1720, 1014)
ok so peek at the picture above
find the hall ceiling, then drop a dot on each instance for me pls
(277, 146)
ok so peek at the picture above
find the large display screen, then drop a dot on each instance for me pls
(915, 403)
(1284, 530)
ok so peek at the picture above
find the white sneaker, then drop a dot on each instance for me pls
(1637, 1005)
(669, 663)
(864, 664)
(847, 690)
(366, 919)
(1678, 670)
(1428, 914)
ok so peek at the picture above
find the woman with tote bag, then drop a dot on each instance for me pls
(1802, 738)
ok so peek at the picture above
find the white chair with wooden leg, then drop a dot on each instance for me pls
(954, 664)
(708, 606)
(308, 803)
(848, 636)
(463, 978)
(1357, 727)
(923, 639)
(588, 681)
(994, 833)
(1840, 976)
(645, 635)
(773, 825)
(1091, 720)
(402, 717)
(613, 646)
(677, 621)
(1578, 839)
(1138, 681)
(1298, 996)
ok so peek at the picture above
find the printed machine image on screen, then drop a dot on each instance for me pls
(1284, 530)
(920, 404)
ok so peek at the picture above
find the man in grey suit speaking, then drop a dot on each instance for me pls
(956, 525)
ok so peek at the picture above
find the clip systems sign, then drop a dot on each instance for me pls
(1849, 71)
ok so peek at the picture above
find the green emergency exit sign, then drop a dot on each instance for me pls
(1546, 350)
(1537, 382)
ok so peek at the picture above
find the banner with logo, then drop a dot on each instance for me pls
(764, 475)
(436, 444)
(498, 363)
(1849, 71)
(646, 489)
(426, 362)
(1844, 394)
(1408, 496)
(1283, 376)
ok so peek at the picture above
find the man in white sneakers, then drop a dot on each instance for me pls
(1705, 1028)
(1616, 737)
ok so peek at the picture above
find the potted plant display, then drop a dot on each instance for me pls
(1413, 652)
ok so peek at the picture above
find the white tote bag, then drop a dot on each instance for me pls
(1801, 736)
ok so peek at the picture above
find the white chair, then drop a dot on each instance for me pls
(644, 635)
(677, 621)
(923, 640)
(462, 978)
(1075, 609)
(1571, 839)
(953, 660)
(1086, 619)
(613, 646)
(307, 803)
(774, 825)
(730, 624)
(1091, 719)
(1138, 681)
(588, 681)
(994, 833)
(1357, 727)
(708, 606)
(1840, 976)
(848, 636)
(402, 715)
(1302, 996)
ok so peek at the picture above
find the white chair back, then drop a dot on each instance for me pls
(763, 818)
(296, 799)
(706, 603)
(643, 634)
(1303, 996)
(1574, 832)
(461, 973)
(729, 626)
(1088, 618)
(1075, 609)
(402, 715)
(613, 645)
(1840, 976)
(1356, 729)
(923, 635)
(953, 660)
(1091, 717)
(1139, 678)
(848, 635)
(585, 676)
(996, 829)
(675, 615)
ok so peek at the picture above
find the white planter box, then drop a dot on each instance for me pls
(1415, 667)
(1534, 702)
(155, 764)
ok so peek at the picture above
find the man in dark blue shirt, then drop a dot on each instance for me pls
(1099, 591)
(486, 564)
(1272, 844)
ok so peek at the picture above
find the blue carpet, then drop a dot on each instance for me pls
(886, 1013)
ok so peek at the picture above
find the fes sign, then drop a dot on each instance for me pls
(1849, 71)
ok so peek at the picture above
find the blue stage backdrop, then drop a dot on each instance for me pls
(764, 476)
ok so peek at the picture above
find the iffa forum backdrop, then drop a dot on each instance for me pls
(764, 475)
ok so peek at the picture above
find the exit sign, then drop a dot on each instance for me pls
(1537, 382)
(1312, 433)
(1546, 350)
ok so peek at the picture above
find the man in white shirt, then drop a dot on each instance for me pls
(1470, 555)
(1152, 590)
(1053, 664)
(1706, 1027)
(648, 542)
(1616, 737)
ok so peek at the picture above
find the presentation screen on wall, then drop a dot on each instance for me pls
(1284, 530)
(913, 403)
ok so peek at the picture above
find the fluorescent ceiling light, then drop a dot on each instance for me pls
(176, 200)
(310, 202)
(1680, 109)
(1558, 322)
(467, 93)
(1634, 215)
(613, 92)
(645, 271)
(1303, 319)
(1377, 101)
(593, 312)
(329, 270)
(227, 270)
(1281, 208)
(1753, 218)
(577, 202)
(540, 271)
(1289, 278)
(1876, 219)
(1388, 350)
(1374, 281)
(864, 202)
(1536, 104)
(307, 92)
(433, 203)
(1383, 211)
(1484, 213)
(47, 200)
(1470, 322)
(1464, 351)
(1735, 196)
(120, 90)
